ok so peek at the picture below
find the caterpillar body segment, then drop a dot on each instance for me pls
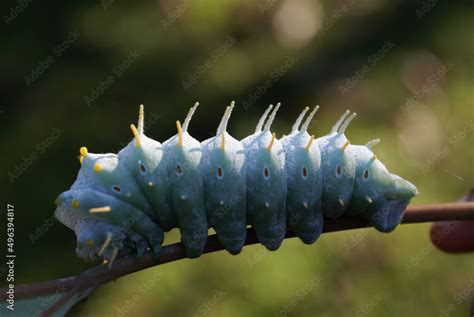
(223, 172)
(145, 159)
(304, 182)
(106, 174)
(338, 169)
(183, 155)
(122, 204)
(266, 184)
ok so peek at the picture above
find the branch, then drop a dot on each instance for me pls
(93, 278)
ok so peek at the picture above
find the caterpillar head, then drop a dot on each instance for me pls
(373, 180)
(387, 212)
(94, 235)
(382, 194)
(380, 181)
(99, 241)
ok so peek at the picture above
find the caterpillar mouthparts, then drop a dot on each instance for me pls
(123, 203)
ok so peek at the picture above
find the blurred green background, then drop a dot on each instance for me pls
(74, 73)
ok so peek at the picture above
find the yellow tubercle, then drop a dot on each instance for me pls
(97, 167)
(309, 143)
(90, 242)
(180, 133)
(83, 151)
(136, 135)
(345, 145)
(75, 203)
(57, 202)
(222, 141)
(269, 147)
(100, 209)
(373, 158)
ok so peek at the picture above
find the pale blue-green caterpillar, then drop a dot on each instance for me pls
(122, 204)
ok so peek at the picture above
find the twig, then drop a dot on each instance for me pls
(99, 275)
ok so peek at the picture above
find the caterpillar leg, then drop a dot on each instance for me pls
(94, 237)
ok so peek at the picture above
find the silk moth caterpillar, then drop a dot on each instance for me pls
(123, 203)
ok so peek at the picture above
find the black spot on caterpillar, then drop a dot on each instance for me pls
(122, 203)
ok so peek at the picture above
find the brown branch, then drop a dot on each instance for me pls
(99, 275)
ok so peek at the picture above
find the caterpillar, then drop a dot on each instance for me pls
(121, 204)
